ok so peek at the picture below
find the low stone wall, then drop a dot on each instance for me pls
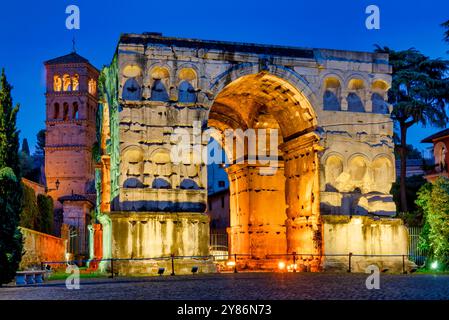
(363, 235)
(40, 247)
(142, 235)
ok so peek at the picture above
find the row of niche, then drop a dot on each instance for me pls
(158, 86)
(158, 171)
(359, 173)
(356, 95)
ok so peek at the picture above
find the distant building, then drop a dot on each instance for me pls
(217, 178)
(218, 208)
(440, 141)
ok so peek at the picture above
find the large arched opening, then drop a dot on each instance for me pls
(274, 184)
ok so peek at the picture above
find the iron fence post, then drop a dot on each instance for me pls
(235, 263)
(294, 261)
(172, 264)
(350, 258)
(112, 268)
(403, 264)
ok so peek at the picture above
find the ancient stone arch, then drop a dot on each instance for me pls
(321, 181)
(258, 228)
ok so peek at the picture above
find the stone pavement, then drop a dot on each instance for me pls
(270, 286)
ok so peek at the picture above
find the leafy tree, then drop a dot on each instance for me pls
(29, 217)
(26, 164)
(40, 145)
(45, 208)
(415, 215)
(419, 92)
(9, 135)
(10, 235)
(434, 200)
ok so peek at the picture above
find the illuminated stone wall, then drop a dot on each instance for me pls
(335, 145)
(39, 247)
(365, 236)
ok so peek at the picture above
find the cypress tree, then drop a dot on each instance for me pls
(9, 135)
(10, 188)
(25, 147)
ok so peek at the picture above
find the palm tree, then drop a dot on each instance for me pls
(445, 25)
(419, 93)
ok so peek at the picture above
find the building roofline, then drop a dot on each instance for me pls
(221, 191)
(439, 135)
(290, 51)
(70, 58)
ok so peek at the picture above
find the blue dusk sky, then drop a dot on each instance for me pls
(34, 31)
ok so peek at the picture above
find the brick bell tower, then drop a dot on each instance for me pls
(71, 105)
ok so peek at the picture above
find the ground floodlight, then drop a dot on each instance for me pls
(161, 271)
(194, 269)
(281, 265)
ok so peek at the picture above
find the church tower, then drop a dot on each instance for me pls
(71, 105)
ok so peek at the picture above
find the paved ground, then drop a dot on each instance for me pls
(271, 286)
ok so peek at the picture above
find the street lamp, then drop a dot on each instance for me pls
(57, 183)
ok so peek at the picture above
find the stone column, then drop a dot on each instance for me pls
(302, 199)
(239, 209)
(257, 208)
(105, 184)
(368, 102)
(343, 100)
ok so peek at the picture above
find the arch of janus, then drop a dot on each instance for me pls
(328, 193)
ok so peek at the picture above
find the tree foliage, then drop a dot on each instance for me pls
(45, 209)
(25, 146)
(418, 93)
(415, 215)
(9, 135)
(26, 165)
(10, 235)
(10, 188)
(29, 217)
(37, 212)
(434, 200)
(445, 25)
(40, 145)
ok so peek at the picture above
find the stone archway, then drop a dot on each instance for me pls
(272, 211)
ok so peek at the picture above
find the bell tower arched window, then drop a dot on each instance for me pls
(65, 116)
(56, 111)
(57, 83)
(75, 83)
(75, 111)
(67, 83)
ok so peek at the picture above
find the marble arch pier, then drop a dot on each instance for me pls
(329, 193)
